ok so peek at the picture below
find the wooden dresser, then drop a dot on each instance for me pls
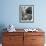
(23, 38)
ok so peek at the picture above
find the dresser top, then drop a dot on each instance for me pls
(22, 30)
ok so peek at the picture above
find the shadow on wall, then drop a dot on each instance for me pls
(2, 26)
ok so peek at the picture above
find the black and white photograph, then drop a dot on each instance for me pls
(26, 13)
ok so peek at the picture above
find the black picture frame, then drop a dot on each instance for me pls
(26, 13)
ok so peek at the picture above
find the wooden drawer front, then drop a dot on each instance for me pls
(8, 45)
(20, 44)
(33, 40)
(34, 33)
(37, 39)
(27, 41)
(37, 45)
(13, 33)
(12, 39)
(5, 39)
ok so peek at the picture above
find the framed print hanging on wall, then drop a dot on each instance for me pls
(26, 13)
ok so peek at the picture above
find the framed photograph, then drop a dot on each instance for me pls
(26, 13)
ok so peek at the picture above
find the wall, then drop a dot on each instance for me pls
(10, 13)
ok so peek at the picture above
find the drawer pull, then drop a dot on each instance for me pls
(11, 38)
(33, 39)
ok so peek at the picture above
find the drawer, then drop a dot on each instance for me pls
(16, 41)
(27, 41)
(37, 44)
(12, 39)
(37, 39)
(27, 37)
(13, 33)
(34, 33)
(12, 44)
(18, 44)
